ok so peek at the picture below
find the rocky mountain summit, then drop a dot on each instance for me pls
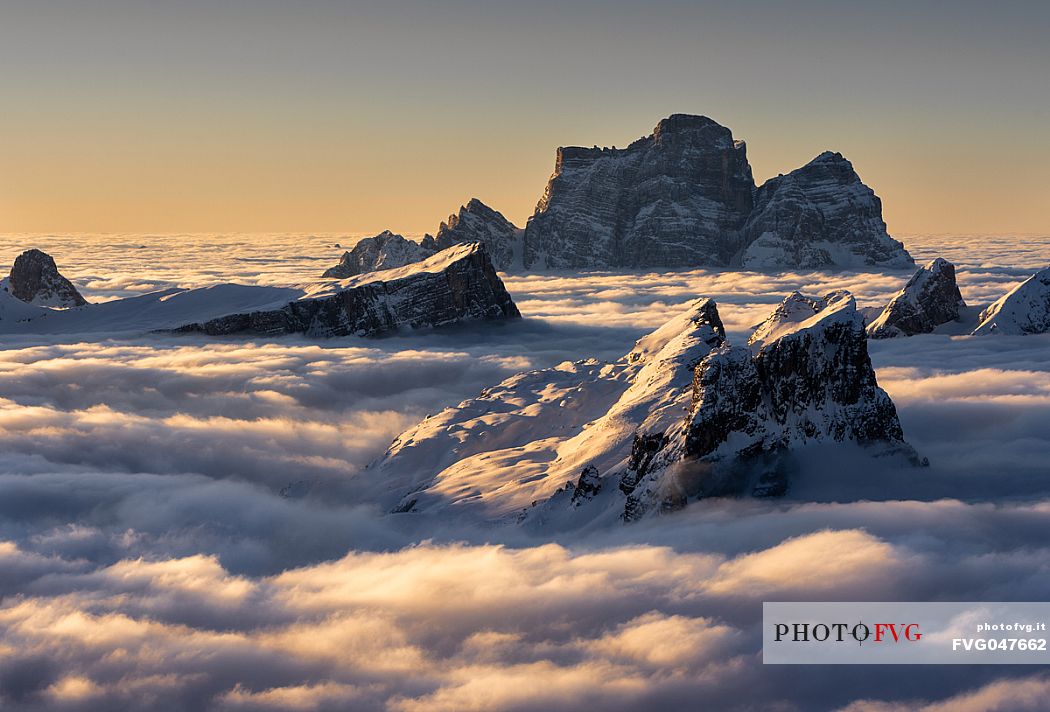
(455, 285)
(817, 216)
(1025, 309)
(930, 298)
(804, 377)
(386, 250)
(35, 279)
(475, 222)
(676, 198)
(681, 417)
(685, 197)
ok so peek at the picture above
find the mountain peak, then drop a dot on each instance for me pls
(477, 222)
(684, 196)
(1025, 309)
(686, 122)
(831, 157)
(675, 198)
(817, 216)
(35, 279)
(801, 313)
(386, 250)
(683, 416)
(930, 298)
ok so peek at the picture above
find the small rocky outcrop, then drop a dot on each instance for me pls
(1025, 309)
(817, 216)
(930, 298)
(477, 222)
(383, 251)
(35, 279)
(456, 285)
(589, 485)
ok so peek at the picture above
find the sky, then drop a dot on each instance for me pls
(335, 116)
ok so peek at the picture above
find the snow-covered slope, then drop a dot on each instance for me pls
(14, 310)
(498, 451)
(930, 298)
(1025, 309)
(520, 441)
(166, 309)
(682, 416)
(458, 284)
(35, 279)
(817, 216)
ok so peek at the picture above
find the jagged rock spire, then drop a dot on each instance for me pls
(35, 279)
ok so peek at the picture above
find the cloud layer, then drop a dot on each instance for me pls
(148, 557)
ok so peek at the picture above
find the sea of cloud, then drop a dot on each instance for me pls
(148, 559)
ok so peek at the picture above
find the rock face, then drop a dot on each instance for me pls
(456, 285)
(384, 251)
(818, 216)
(587, 487)
(685, 197)
(35, 280)
(1025, 309)
(676, 198)
(930, 298)
(683, 416)
(477, 222)
(806, 377)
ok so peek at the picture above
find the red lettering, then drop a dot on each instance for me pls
(897, 631)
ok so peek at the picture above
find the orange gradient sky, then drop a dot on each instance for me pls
(361, 116)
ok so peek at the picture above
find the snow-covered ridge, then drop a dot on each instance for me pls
(682, 416)
(520, 441)
(1025, 309)
(458, 284)
(433, 264)
(799, 313)
(455, 285)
